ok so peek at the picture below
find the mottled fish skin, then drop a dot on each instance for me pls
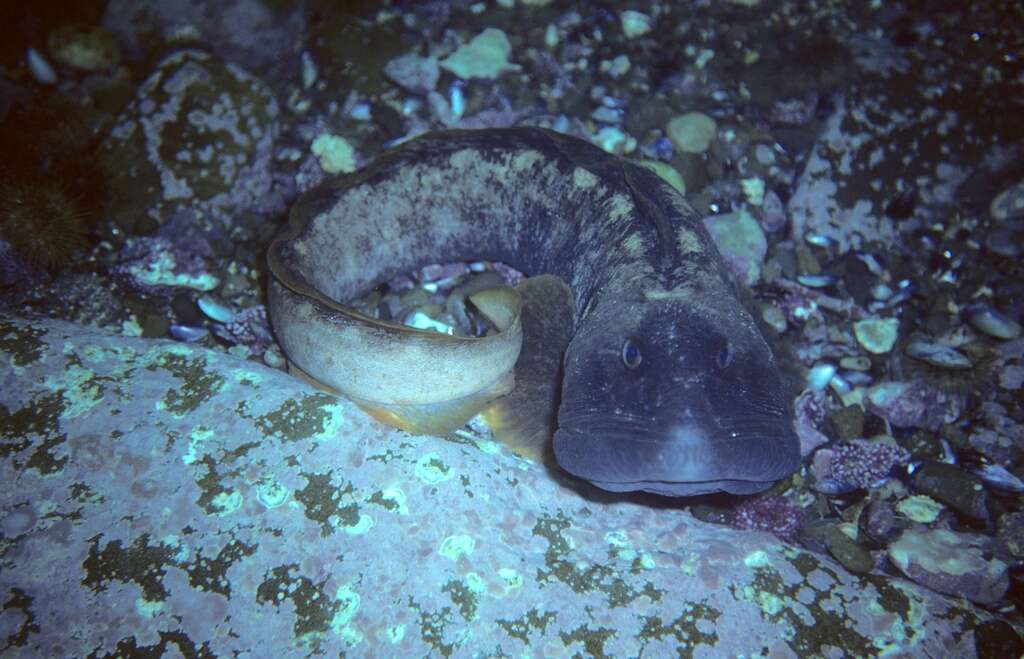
(668, 385)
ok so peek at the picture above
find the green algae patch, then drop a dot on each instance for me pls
(684, 628)
(592, 640)
(22, 344)
(140, 563)
(198, 384)
(781, 604)
(431, 469)
(580, 577)
(317, 416)
(432, 626)
(392, 499)
(315, 611)
(322, 503)
(455, 546)
(40, 417)
(523, 626)
(463, 597)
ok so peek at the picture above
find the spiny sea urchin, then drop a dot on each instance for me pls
(40, 221)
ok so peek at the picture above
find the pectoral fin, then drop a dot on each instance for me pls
(525, 420)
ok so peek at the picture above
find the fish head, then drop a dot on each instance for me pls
(674, 398)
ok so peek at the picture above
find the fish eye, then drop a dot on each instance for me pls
(724, 357)
(631, 356)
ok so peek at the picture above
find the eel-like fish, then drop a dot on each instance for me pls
(659, 379)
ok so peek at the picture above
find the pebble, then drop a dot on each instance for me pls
(485, 56)
(877, 335)
(963, 492)
(938, 355)
(692, 132)
(878, 524)
(857, 363)
(607, 115)
(986, 319)
(741, 241)
(773, 212)
(273, 358)
(852, 556)
(951, 563)
(634, 23)
(820, 375)
(920, 508)
(1008, 204)
(84, 47)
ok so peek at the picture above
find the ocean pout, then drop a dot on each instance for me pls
(641, 368)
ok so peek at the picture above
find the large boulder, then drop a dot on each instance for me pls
(162, 497)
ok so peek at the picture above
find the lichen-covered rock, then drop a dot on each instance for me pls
(198, 136)
(165, 498)
(949, 562)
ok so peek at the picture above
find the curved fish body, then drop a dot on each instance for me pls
(666, 384)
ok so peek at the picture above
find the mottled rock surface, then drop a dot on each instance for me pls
(166, 498)
(196, 139)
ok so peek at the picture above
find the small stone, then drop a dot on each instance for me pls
(852, 556)
(692, 132)
(741, 241)
(273, 358)
(877, 335)
(773, 212)
(1008, 204)
(613, 140)
(607, 115)
(334, 153)
(753, 190)
(950, 563)
(986, 319)
(820, 375)
(413, 73)
(962, 491)
(485, 56)
(634, 23)
(920, 508)
(846, 423)
(938, 355)
(878, 524)
(84, 47)
(858, 363)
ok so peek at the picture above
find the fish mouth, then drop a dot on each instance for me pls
(684, 460)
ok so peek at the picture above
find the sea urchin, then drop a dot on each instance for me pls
(40, 222)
